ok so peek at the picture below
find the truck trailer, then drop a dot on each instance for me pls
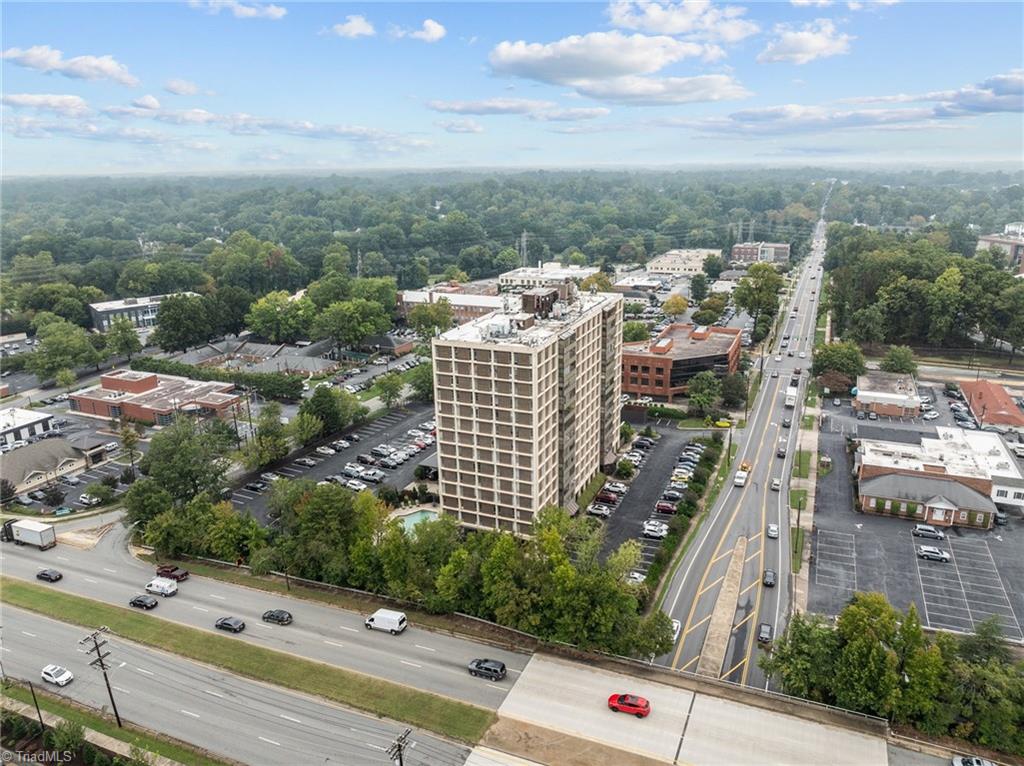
(791, 394)
(28, 532)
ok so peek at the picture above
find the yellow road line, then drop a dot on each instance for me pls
(697, 625)
(711, 585)
(739, 624)
(752, 585)
(734, 668)
(719, 558)
(688, 664)
(752, 555)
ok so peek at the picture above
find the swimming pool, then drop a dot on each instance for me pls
(410, 520)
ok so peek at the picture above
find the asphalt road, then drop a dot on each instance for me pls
(241, 719)
(418, 658)
(746, 511)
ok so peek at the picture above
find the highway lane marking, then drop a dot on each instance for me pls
(719, 558)
(213, 694)
(30, 635)
(112, 571)
(334, 643)
(375, 747)
(345, 627)
(147, 672)
(710, 585)
(427, 648)
(89, 579)
(188, 712)
(201, 609)
(734, 668)
(214, 595)
(752, 555)
(739, 624)
(684, 667)
(495, 686)
(289, 718)
(752, 585)
(61, 558)
(697, 625)
(123, 691)
(269, 741)
(513, 670)
(122, 664)
(4, 648)
(411, 664)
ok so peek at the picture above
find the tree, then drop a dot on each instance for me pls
(348, 322)
(305, 428)
(122, 338)
(598, 281)
(624, 469)
(714, 266)
(181, 322)
(421, 380)
(61, 345)
(899, 359)
(280, 319)
(324, 405)
(145, 500)
(129, 442)
(802, 658)
(270, 441)
(66, 379)
(227, 308)
(703, 391)
(390, 387)
(758, 292)
(187, 459)
(867, 325)
(634, 331)
(453, 273)
(734, 390)
(675, 306)
(698, 287)
(626, 432)
(844, 357)
(7, 491)
(428, 319)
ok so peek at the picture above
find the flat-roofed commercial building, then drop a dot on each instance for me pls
(150, 398)
(141, 312)
(663, 366)
(887, 393)
(548, 274)
(680, 263)
(755, 252)
(527, 407)
(465, 306)
(18, 425)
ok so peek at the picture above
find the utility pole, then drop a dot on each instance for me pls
(101, 663)
(397, 749)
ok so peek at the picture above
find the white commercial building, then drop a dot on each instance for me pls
(527, 407)
(18, 424)
(680, 263)
(141, 312)
(550, 273)
(465, 306)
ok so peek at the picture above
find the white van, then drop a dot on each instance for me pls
(163, 586)
(386, 619)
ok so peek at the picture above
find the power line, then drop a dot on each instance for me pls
(100, 662)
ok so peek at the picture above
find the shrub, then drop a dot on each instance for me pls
(717, 437)
(128, 476)
(879, 504)
(273, 385)
(700, 475)
(68, 735)
(111, 481)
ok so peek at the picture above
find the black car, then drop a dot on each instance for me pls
(143, 602)
(491, 669)
(386, 462)
(50, 575)
(37, 495)
(769, 578)
(787, 422)
(256, 486)
(366, 459)
(764, 633)
(234, 624)
(280, 616)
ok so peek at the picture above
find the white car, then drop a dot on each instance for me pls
(270, 476)
(616, 487)
(430, 425)
(55, 674)
(677, 628)
(414, 432)
(306, 461)
(325, 451)
(355, 485)
(932, 553)
(776, 485)
(931, 415)
(778, 357)
(656, 529)
(88, 500)
(636, 577)
(602, 511)
(773, 531)
(802, 354)
(427, 439)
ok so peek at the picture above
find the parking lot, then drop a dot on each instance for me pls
(390, 429)
(843, 419)
(862, 552)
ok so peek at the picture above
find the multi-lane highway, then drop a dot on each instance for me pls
(244, 720)
(418, 658)
(738, 522)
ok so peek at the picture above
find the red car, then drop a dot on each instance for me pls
(172, 572)
(607, 498)
(630, 703)
(664, 506)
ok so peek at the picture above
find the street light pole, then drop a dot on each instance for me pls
(101, 663)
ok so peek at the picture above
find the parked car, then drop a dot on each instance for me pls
(932, 553)
(608, 498)
(37, 495)
(49, 575)
(927, 530)
(367, 459)
(143, 601)
(655, 529)
(341, 444)
(233, 624)
(71, 481)
(629, 703)
(306, 461)
(599, 510)
(664, 506)
(256, 486)
(617, 487)
(970, 760)
(672, 495)
(387, 462)
(88, 500)
(490, 669)
(324, 450)
(837, 402)
(55, 674)
(931, 415)
(355, 485)
(764, 633)
(279, 616)
(270, 476)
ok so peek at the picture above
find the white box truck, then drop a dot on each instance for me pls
(791, 394)
(28, 532)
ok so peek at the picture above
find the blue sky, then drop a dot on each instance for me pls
(232, 86)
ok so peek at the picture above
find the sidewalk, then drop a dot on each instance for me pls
(808, 440)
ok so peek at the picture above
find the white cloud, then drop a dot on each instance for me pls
(491, 106)
(461, 126)
(241, 10)
(693, 18)
(43, 58)
(811, 3)
(594, 56)
(657, 91)
(354, 26)
(430, 32)
(814, 40)
(1000, 93)
(181, 87)
(571, 115)
(147, 102)
(68, 106)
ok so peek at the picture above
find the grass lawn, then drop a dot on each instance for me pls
(802, 464)
(593, 486)
(812, 394)
(819, 330)
(807, 422)
(796, 537)
(798, 498)
(374, 390)
(145, 740)
(449, 717)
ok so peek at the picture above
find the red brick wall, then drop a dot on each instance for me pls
(984, 486)
(118, 383)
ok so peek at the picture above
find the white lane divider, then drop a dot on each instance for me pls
(123, 691)
(269, 741)
(345, 627)
(289, 718)
(334, 643)
(147, 672)
(214, 595)
(200, 609)
(426, 648)
(89, 579)
(30, 635)
(411, 664)
(188, 712)
(61, 558)
(112, 571)
(213, 694)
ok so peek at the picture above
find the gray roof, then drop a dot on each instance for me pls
(85, 442)
(924, 489)
(886, 433)
(45, 455)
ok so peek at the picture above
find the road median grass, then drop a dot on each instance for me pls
(433, 712)
(798, 499)
(90, 719)
(797, 540)
(807, 422)
(802, 464)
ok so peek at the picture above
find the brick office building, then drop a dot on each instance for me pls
(150, 398)
(663, 366)
(887, 393)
